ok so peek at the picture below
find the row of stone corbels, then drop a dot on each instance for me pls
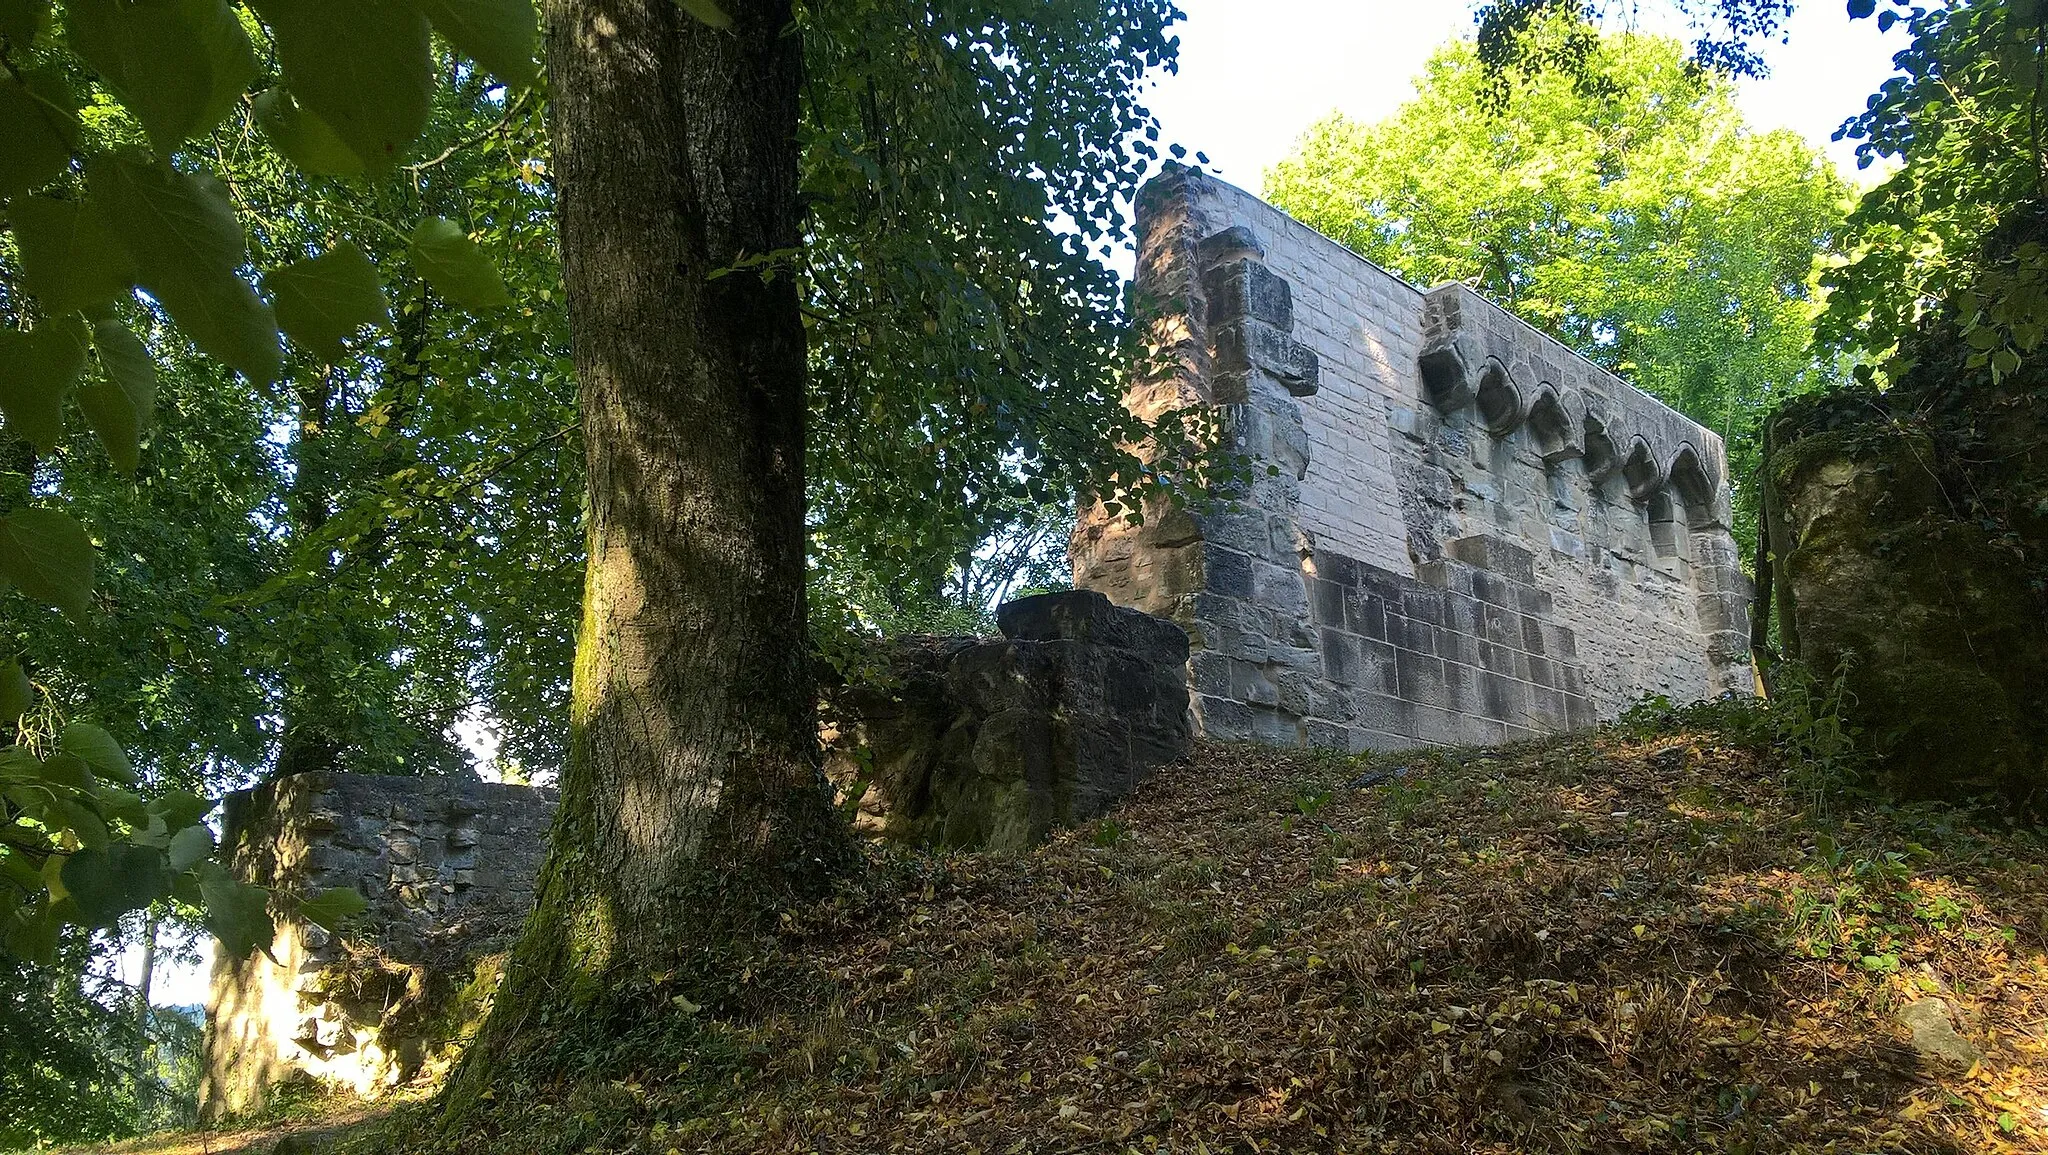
(1647, 446)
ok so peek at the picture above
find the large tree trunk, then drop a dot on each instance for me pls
(692, 801)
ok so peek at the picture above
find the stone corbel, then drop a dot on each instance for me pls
(1450, 370)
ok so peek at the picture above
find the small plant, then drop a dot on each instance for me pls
(1108, 832)
(1309, 803)
(1809, 728)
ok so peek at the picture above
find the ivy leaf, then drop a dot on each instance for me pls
(455, 265)
(365, 69)
(108, 883)
(47, 556)
(122, 403)
(238, 914)
(41, 115)
(17, 694)
(330, 909)
(709, 12)
(500, 35)
(68, 258)
(323, 299)
(187, 244)
(97, 749)
(303, 138)
(178, 65)
(36, 370)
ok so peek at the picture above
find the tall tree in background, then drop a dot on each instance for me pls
(1625, 209)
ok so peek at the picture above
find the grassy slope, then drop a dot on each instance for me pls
(1602, 944)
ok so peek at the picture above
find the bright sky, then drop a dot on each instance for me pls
(1255, 73)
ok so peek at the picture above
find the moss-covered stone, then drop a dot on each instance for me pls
(1932, 610)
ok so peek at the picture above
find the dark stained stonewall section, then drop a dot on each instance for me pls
(995, 743)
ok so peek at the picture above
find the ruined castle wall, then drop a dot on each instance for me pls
(1472, 534)
(448, 866)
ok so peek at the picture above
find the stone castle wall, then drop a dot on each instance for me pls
(1463, 531)
(982, 742)
(448, 866)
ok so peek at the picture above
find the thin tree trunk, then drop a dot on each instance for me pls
(143, 983)
(692, 802)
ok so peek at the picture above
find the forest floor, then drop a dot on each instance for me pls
(1638, 940)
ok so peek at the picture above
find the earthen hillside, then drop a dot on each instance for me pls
(1644, 940)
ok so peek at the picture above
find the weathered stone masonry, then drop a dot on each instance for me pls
(1470, 534)
(448, 866)
(986, 742)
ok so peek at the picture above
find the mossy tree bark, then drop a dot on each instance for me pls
(692, 804)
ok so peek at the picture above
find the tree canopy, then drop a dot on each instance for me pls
(1626, 209)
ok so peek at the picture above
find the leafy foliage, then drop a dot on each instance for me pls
(963, 168)
(1625, 209)
(1514, 36)
(1963, 115)
(106, 197)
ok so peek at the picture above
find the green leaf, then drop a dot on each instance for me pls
(238, 914)
(81, 820)
(323, 299)
(106, 884)
(177, 65)
(36, 370)
(47, 556)
(179, 808)
(68, 258)
(172, 222)
(122, 402)
(124, 805)
(330, 909)
(303, 138)
(708, 12)
(41, 116)
(20, 20)
(187, 244)
(67, 772)
(189, 847)
(30, 932)
(17, 694)
(226, 319)
(456, 266)
(97, 749)
(365, 68)
(500, 35)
